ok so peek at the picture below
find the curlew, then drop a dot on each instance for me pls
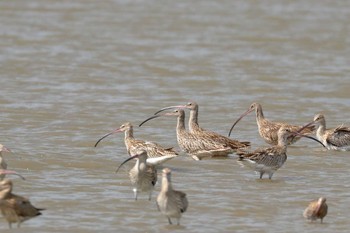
(15, 208)
(334, 139)
(156, 153)
(316, 210)
(268, 130)
(197, 147)
(3, 164)
(142, 176)
(208, 135)
(170, 202)
(268, 160)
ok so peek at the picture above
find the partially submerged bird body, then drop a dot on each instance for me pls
(155, 152)
(143, 177)
(170, 202)
(316, 210)
(334, 139)
(268, 130)
(207, 135)
(194, 145)
(15, 208)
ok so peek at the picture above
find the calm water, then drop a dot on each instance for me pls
(72, 71)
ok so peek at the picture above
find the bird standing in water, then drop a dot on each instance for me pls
(142, 176)
(316, 210)
(170, 202)
(15, 208)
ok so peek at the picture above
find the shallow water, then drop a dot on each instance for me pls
(73, 71)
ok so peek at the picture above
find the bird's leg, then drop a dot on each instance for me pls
(178, 221)
(10, 225)
(261, 174)
(169, 221)
(150, 195)
(270, 175)
(135, 193)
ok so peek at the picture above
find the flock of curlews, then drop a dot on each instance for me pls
(199, 144)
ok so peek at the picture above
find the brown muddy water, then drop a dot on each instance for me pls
(72, 71)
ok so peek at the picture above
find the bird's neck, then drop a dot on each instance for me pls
(259, 113)
(320, 131)
(166, 184)
(193, 121)
(180, 123)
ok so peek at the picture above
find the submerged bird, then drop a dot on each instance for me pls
(15, 208)
(194, 145)
(316, 210)
(155, 152)
(170, 202)
(268, 129)
(3, 164)
(268, 160)
(142, 176)
(200, 132)
(334, 139)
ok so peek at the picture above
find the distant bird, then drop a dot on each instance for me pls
(205, 134)
(316, 210)
(170, 202)
(268, 160)
(268, 129)
(334, 139)
(194, 145)
(14, 208)
(142, 176)
(3, 164)
(156, 153)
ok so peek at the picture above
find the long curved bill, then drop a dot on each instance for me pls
(305, 126)
(170, 107)
(243, 115)
(306, 136)
(10, 172)
(125, 161)
(106, 135)
(148, 119)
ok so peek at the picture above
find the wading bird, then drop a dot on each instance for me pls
(155, 152)
(15, 208)
(316, 210)
(142, 176)
(170, 202)
(202, 133)
(334, 139)
(268, 129)
(194, 145)
(268, 160)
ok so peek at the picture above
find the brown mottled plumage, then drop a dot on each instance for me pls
(14, 208)
(142, 176)
(268, 160)
(334, 139)
(194, 128)
(156, 153)
(197, 147)
(170, 202)
(316, 210)
(268, 129)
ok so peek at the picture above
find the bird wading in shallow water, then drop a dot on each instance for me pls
(334, 139)
(205, 134)
(155, 152)
(268, 130)
(142, 176)
(170, 202)
(268, 160)
(316, 210)
(197, 147)
(15, 208)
